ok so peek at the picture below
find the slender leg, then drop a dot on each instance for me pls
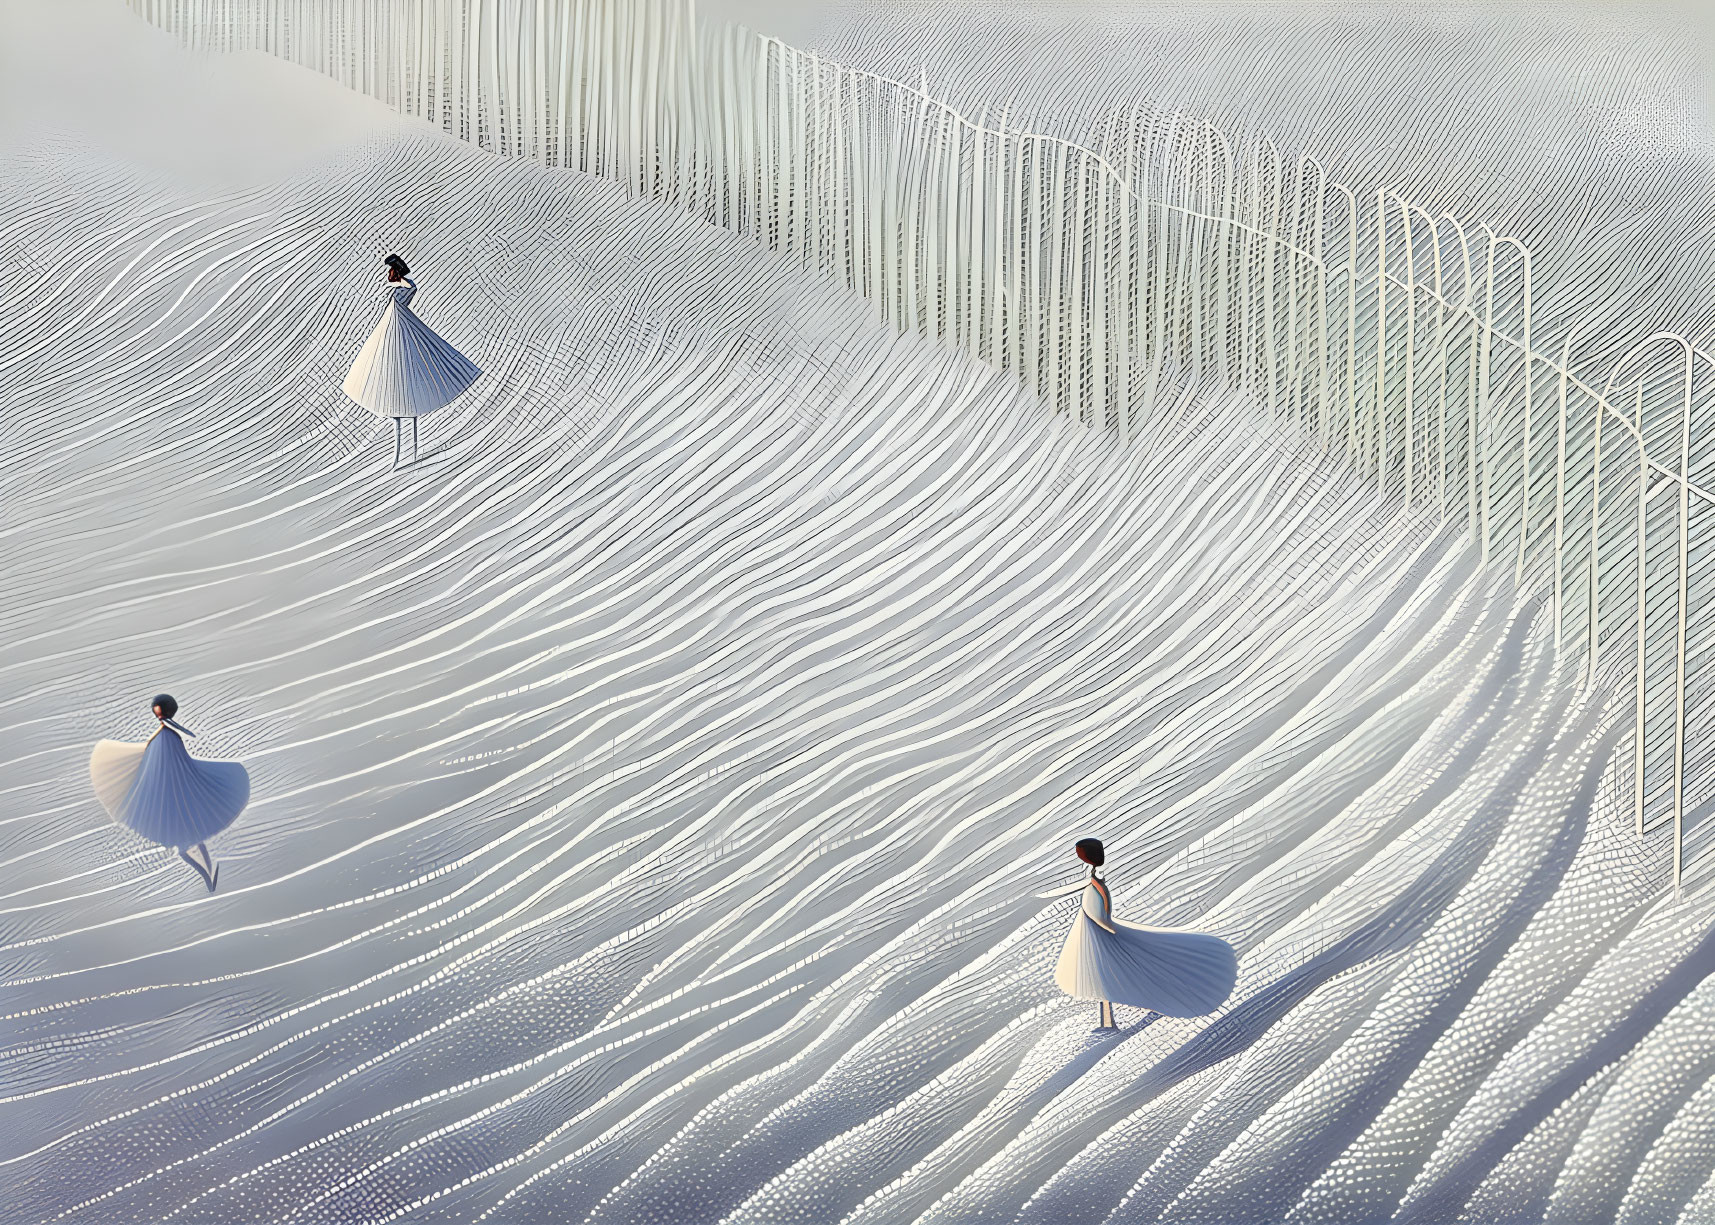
(398, 438)
(1107, 1015)
(207, 876)
(413, 440)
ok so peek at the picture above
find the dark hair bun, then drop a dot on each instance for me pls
(169, 708)
(1090, 851)
(397, 264)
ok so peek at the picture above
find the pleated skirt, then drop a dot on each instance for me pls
(1173, 972)
(170, 797)
(405, 370)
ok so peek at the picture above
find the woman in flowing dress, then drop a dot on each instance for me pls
(159, 790)
(404, 370)
(1167, 970)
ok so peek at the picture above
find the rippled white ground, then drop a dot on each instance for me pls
(650, 783)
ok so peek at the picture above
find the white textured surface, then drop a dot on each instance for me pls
(1424, 349)
(649, 782)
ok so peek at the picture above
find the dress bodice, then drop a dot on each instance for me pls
(402, 291)
(1097, 904)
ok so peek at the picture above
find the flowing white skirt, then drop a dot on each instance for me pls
(405, 370)
(1173, 972)
(165, 794)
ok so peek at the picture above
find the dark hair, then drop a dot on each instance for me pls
(397, 264)
(165, 701)
(1090, 851)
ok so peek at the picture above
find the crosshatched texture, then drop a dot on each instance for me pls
(649, 784)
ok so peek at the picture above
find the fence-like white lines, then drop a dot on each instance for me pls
(1096, 275)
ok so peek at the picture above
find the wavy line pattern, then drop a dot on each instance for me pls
(1392, 332)
(649, 782)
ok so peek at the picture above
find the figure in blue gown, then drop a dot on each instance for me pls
(165, 794)
(405, 370)
(1168, 970)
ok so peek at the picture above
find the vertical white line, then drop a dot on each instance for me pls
(1684, 590)
(1381, 341)
(1642, 712)
(1524, 511)
(1560, 499)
